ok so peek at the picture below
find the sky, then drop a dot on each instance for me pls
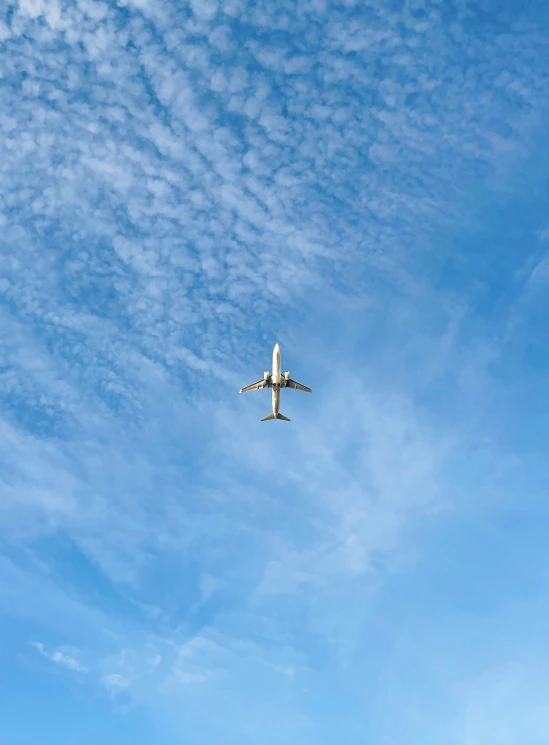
(183, 184)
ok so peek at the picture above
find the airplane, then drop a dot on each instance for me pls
(276, 381)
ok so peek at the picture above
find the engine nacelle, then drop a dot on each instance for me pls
(266, 375)
(287, 375)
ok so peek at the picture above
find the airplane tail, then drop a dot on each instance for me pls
(272, 416)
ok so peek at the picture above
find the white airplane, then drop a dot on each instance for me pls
(276, 381)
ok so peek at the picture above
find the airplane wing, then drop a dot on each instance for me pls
(297, 386)
(255, 386)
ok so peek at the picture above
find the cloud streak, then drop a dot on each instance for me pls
(60, 658)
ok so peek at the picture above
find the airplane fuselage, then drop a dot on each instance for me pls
(276, 379)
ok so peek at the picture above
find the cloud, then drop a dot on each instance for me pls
(194, 166)
(60, 658)
(181, 184)
(543, 235)
(505, 704)
(115, 682)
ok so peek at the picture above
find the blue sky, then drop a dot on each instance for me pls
(182, 185)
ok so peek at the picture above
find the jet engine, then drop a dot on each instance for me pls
(287, 375)
(266, 375)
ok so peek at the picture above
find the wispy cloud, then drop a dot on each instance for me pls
(60, 658)
(115, 682)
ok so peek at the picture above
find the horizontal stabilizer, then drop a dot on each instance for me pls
(272, 416)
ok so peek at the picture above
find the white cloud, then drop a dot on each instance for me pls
(60, 658)
(507, 705)
(4, 32)
(540, 273)
(206, 10)
(50, 9)
(543, 235)
(32, 8)
(115, 682)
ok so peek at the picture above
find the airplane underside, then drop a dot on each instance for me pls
(276, 381)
